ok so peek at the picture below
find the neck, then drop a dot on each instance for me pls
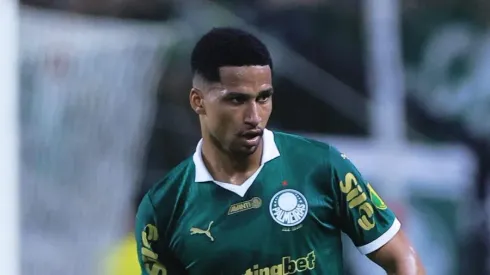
(226, 166)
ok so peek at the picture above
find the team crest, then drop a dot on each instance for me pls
(288, 207)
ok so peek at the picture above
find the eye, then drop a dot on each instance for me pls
(263, 98)
(237, 100)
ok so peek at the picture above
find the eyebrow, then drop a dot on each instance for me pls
(269, 91)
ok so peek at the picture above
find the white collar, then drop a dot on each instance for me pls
(269, 153)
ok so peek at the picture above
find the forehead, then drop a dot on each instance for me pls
(246, 77)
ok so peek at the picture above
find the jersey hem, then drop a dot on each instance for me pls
(381, 240)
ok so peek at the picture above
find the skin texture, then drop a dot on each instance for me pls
(242, 103)
(398, 257)
(233, 115)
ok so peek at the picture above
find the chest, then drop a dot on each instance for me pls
(276, 218)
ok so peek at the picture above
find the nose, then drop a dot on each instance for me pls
(252, 114)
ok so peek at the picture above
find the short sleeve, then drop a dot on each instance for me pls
(364, 216)
(153, 256)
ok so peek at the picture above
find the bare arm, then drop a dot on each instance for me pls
(398, 257)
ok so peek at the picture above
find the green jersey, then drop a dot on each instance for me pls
(287, 218)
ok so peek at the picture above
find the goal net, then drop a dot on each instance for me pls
(88, 98)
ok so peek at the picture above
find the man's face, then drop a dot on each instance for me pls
(237, 109)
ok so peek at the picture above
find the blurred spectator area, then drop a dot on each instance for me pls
(137, 9)
(327, 34)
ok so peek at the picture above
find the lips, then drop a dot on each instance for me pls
(252, 133)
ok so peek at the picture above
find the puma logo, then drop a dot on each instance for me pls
(207, 232)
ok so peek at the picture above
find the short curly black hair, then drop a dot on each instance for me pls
(227, 47)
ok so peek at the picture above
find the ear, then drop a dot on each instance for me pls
(197, 101)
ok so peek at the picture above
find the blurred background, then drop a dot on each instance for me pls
(402, 87)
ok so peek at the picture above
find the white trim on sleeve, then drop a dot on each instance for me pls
(382, 240)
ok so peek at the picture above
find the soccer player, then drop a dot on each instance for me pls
(252, 201)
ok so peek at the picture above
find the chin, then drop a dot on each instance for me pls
(249, 150)
(244, 148)
(245, 151)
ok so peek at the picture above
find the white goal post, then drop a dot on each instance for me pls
(9, 142)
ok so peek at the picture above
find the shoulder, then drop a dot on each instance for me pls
(167, 191)
(293, 141)
(297, 146)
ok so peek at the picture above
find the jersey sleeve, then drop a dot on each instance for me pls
(153, 257)
(363, 215)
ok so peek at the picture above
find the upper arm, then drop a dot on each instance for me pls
(363, 215)
(398, 257)
(153, 255)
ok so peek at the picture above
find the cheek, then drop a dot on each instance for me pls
(222, 118)
(266, 112)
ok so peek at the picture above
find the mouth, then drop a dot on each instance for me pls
(252, 137)
(252, 134)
